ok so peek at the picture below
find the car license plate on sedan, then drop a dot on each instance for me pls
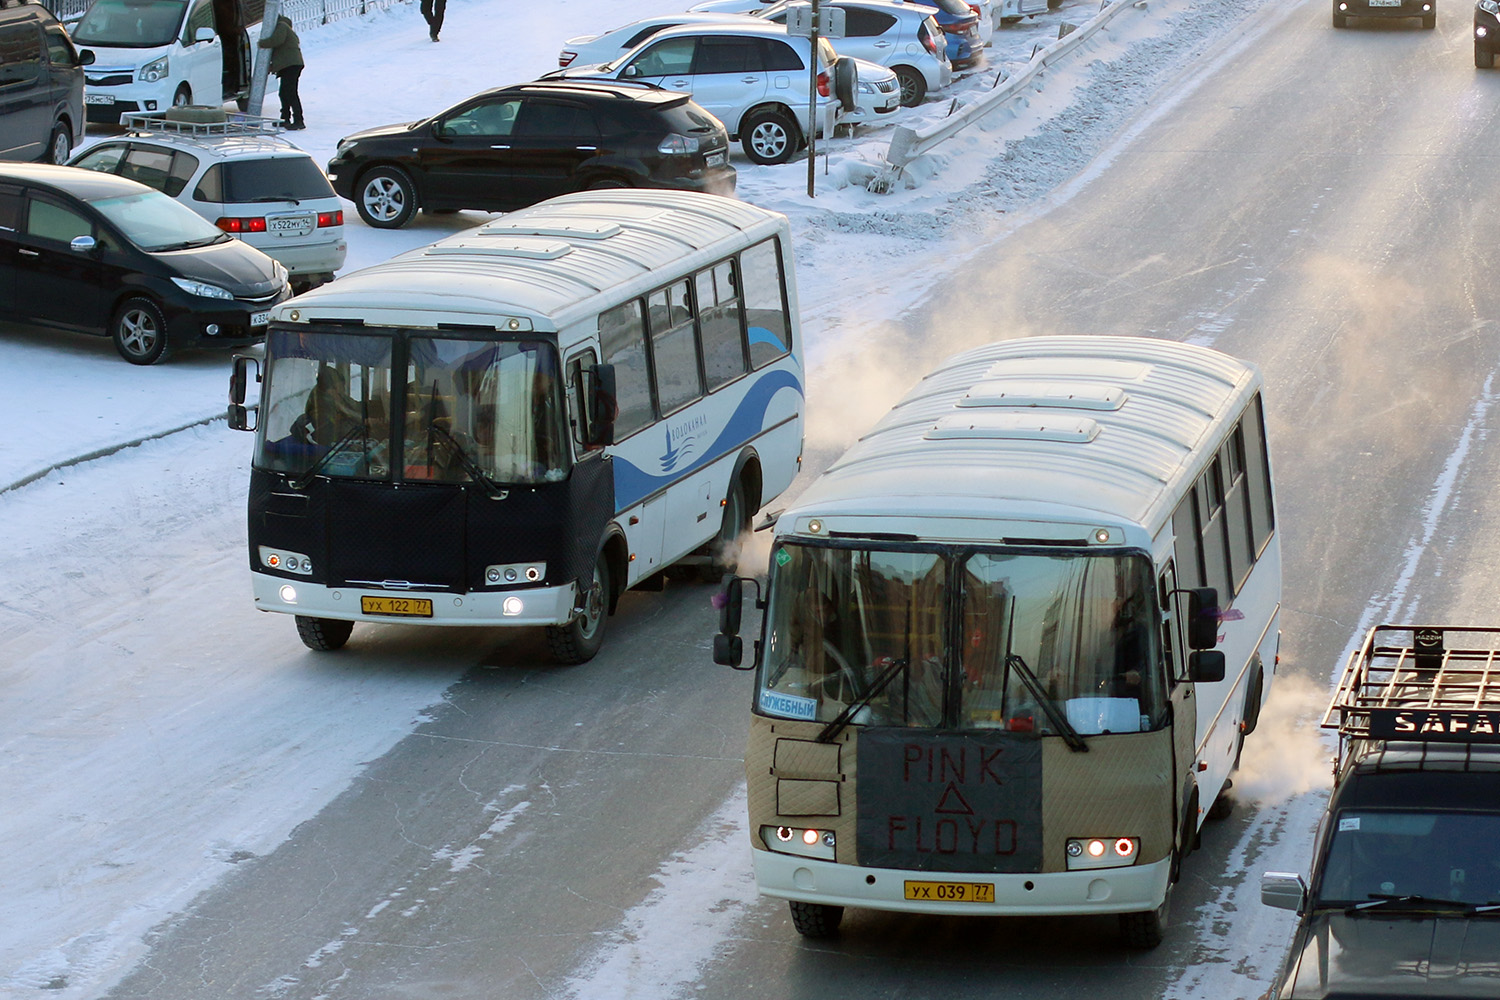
(951, 892)
(715, 159)
(1385, 3)
(98, 99)
(260, 318)
(290, 225)
(399, 607)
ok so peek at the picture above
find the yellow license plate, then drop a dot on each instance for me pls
(951, 892)
(400, 607)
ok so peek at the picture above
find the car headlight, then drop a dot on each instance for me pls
(202, 288)
(280, 272)
(1489, 6)
(344, 146)
(154, 70)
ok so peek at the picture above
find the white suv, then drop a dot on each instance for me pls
(241, 176)
(752, 77)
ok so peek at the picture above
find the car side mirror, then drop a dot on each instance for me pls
(204, 35)
(631, 72)
(1205, 666)
(83, 244)
(1283, 890)
(86, 57)
(1203, 618)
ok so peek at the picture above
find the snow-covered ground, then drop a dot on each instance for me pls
(74, 924)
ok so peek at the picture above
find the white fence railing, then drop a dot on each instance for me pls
(908, 143)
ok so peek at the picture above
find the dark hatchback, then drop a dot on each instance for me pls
(82, 250)
(514, 146)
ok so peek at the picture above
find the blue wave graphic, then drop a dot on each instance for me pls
(633, 484)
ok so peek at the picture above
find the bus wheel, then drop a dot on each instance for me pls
(323, 634)
(1146, 930)
(721, 550)
(580, 639)
(815, 920)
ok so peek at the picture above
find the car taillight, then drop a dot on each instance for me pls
(231, 224)
(975, 8)
(823, 84)
(326, 219)
(675, 143)
(566, 58)
(930, 37)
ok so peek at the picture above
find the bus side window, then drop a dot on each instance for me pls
(1237, 509)
(719, 324)
(1188, 544)
(1258, 475)
(768, 328)
(674, 346)
(1211, 517)
(622, 337)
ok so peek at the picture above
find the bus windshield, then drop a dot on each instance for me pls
(964, 639)
(130, 24)
(480, 410)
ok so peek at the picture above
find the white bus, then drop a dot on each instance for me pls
(992, 675)
(515, 424)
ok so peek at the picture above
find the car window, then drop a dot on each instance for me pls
(485, 118)
(955, 7)
(861, 22)
(668, 57)
(287, 178)
(60, 51)
(166, 170)
(103, 158)
(781, 56)
(47, 220)
(211, 185)
(542, 119)
(725, 54)
(10, 209)
(645, 33)
(201, 17)
(20, 54)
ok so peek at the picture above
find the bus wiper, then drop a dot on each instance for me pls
(1381, 899)
(881, 683)
(468, 463)
(300, 483)
(1063, 727)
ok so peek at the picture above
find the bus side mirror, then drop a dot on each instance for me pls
(239, 380)
(604, 405)
(1203, 619)
(729, 611)
(1205, 666)
(729, 650)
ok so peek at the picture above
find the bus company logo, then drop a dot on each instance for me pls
(682, 442)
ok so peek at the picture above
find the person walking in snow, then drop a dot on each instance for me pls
(432, 10)
(286, 63)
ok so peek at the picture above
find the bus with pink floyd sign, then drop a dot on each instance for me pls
(513, 425)
(1013, 640)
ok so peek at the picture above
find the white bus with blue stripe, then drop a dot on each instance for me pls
(515, 424)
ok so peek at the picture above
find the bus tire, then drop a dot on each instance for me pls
(323, 634)
(1146, 929)
(736, 519)
(580, 639)
(815, 920)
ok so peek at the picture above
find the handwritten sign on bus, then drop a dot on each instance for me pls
(950, 803)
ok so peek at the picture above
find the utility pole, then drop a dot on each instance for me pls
(261, 58)
(812, 104)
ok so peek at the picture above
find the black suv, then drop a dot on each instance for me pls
(1404, 898)
(514, 146)
(41, 85)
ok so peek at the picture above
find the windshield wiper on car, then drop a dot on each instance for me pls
(192, 244)
(881, 683)
(1383, 900)
(1059, 722)
(473, 468)
(272, 197)
(300, 483)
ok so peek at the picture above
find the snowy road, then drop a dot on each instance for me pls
(437, 815)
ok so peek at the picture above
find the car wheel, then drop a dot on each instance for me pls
(815, 920)
(183, 97)
(769, 136)
(323, 634)
(913, 86)
(1483, 59)
(607, 184)
(579, 640)
(386, 198)
(61, 144)
(140, 332)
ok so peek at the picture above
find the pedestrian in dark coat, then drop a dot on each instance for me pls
(286, 63)
(432, 10)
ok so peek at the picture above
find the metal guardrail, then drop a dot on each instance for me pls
(908, 143)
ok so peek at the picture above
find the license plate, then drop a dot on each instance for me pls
(98, 99)
(399, 607)
(260, 318)
(295, 226)
(1385, 3)
(715, 159)
(951, 892)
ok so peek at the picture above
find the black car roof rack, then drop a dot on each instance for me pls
(1420, 684)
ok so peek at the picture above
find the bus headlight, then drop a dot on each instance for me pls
(285, 562)
(506, 574)
(1101, 852)
(803, 842)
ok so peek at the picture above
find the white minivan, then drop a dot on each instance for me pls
(150, 55)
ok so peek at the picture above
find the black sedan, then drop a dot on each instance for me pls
(513, 146)
(81, 250)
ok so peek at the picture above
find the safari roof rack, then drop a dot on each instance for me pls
(1419, 683)
(208, 125)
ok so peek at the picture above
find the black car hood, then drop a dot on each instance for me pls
(1369, 955)
(231, 265)
(381, 132)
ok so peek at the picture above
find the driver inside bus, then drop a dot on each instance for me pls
(331, 411)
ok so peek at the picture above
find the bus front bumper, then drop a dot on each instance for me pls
(1135, 889)
(524, 606)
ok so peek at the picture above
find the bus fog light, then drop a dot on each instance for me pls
(1096, 848)
(289, 594)
(504, 574)
(803, 843)
(512, 607)
(1101, 852)
(784, 834)
(286, 562)
(510, 574)
(809, 837)
(492, 575)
